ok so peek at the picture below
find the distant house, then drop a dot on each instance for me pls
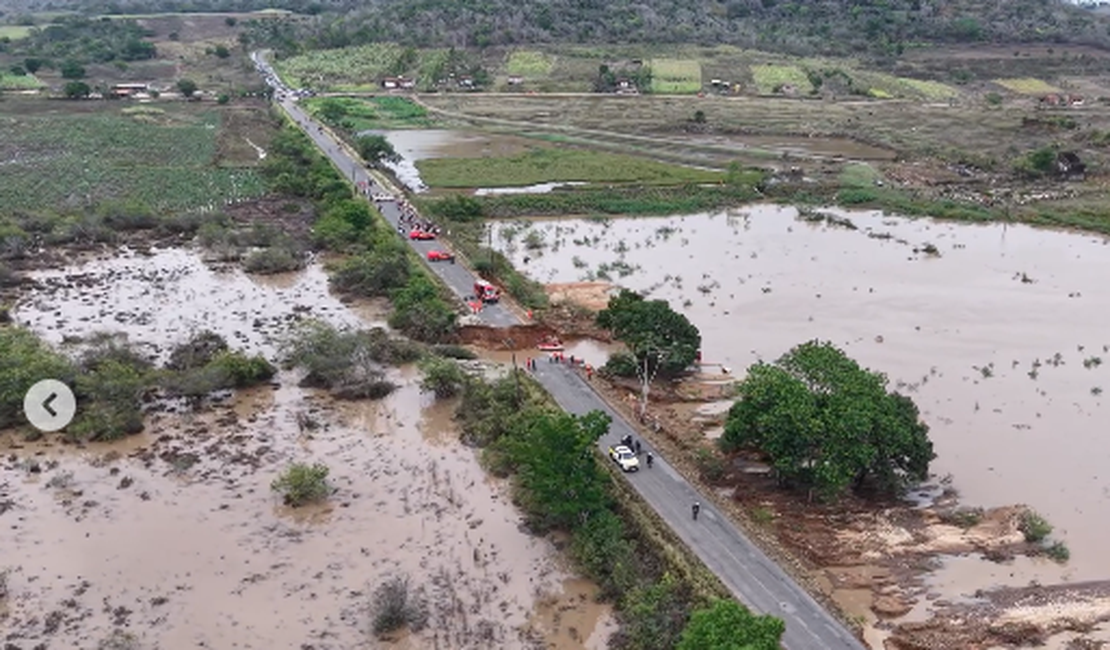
(716, 83)
(1054, 99)
(788, 89)
(466, 81)
(128, 90)
(389, 83)
(1069, 166)
(515, 80)
(406, 83)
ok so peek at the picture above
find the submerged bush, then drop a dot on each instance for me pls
(396, 606)
(24, 360)
(301, 483)
(278, 259)
(348, 363)
(442, 376)
(1035, 527)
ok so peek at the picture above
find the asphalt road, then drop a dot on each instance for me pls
(743, 568)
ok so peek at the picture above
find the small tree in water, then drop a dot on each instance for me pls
(829, 425)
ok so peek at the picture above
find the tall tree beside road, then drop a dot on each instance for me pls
(658, 336)
(375, 149)
(187, 87)
(727, 625)
(828, 424)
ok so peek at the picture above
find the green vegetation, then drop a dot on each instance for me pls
(828, 425)
(10, 81)
(557, 164)
(375, 149)
(80, 41)
(395, 606)
(105, 153)
(360, 67)
(529, 64)
(661, 339)
(630, 200)
(675, 76)
(1027, 86)
(1035, 527)
(111, 379)
(728, 625)
(561, 483)
(772, 78)
(835, 27)
(350, 364)
(351, 115)
(443, 377)
(301, 484)
(14, 32)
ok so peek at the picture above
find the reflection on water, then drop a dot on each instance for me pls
(1001, 337)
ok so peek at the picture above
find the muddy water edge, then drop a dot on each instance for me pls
(175, 537)
(996, 331)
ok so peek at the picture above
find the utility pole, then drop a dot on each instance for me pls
(647, 375)
(489, 232)
(516, 374)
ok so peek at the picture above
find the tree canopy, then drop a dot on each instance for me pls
(728, 625)
(375, 149)
(652, 331)
(828, 424)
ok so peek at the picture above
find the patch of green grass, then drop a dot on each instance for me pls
(356, 114)
(15, 32)
(552, 164)
(769, 78)
(301, 484)
(325, 68)
(165, 161)
(1035, 527)
(1027, 86)
(929, 89)
(10, 81)
(530, 64)
(859, 175)
(675, 76)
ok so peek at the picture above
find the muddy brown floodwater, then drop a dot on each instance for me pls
(1000, 336)
(175, 536)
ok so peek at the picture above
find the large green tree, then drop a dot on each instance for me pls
(728, 625)
(563, 484)
(657, 335)
(828, 424)
(375, 149)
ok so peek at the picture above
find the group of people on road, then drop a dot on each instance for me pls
(410, 221)
(638, 449)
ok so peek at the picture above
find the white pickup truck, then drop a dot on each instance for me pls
(625, 458)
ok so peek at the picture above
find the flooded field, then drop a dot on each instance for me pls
(175, 538)
(997, 332)
(413, 145)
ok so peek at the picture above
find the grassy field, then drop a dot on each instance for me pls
(348, 68)
(14, 32)
(675, 76)
(769, 78)
(172, 157)
(369, 114)
(529, 64)
(1027, 86)
(10, 81)
(554, 164)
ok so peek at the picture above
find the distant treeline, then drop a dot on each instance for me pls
(878, 27)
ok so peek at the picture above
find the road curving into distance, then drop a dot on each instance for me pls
(741, 566)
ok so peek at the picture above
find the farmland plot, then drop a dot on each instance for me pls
(675, 76)
(166, 158)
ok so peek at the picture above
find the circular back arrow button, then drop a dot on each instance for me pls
(49, 405)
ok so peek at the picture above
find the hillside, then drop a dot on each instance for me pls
(878, 27)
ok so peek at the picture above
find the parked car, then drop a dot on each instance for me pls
(440, 256)
(624, 457)
(421, 235)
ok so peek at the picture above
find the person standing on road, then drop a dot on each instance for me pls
(650, 460)
(696, 509)
(638, 447)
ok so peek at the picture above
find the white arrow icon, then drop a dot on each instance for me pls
(49, 405)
